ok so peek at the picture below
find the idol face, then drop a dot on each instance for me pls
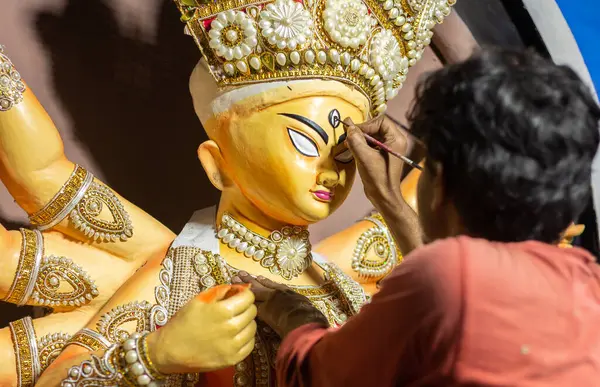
(290, 160)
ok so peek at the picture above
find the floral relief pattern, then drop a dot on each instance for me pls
(233, 35)
(348, 22)
(286, 24)
(292, 253)
(386, 56)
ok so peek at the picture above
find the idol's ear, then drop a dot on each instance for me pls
(214, 165)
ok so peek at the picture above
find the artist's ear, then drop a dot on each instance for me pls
(214, 165)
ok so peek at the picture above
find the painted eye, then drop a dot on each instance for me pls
(303, 144)
(346, 157)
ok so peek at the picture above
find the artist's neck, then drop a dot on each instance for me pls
(246, 213)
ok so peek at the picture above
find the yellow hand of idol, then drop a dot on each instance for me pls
(214, 330)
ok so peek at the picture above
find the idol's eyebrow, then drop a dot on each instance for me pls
(342, 138)
(311, 124)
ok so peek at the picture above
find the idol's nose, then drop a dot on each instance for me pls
(329, 179)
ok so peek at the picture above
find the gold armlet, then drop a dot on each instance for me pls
(49, 347)
(39, 278)
(11, 85)
(32, 250)
(83, 200)
(26, 351)
(90, 340)
(112, 324)
(380, 240)
(124, 364)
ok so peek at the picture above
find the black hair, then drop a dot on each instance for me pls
(515, 136)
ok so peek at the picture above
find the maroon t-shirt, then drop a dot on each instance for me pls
(464, 312)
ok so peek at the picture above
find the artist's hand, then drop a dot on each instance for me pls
(279, 307)
(380, 172)
(214, 330)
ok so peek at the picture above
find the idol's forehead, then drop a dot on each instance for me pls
(211, 102)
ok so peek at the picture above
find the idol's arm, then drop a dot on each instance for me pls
(41, 338)
(134, 298)
(212, 331)
(369, 241)
(44, 182)
(49, 269)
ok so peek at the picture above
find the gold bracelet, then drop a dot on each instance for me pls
(32, 249)
(90, 340)
(11, 85)
(145, 359)
(82, 200)
(26, 353)
(64, 201)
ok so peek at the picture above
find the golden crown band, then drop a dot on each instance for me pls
(369, 44)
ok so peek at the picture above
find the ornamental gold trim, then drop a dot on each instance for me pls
(11, 85)
(367, 44)
(55, 271)
(32, 248)
(101, 371)
(85, 215)
(49, 347)
(286, 252)
(82, 200)
(90, 340)
(379, 241)
(26, 352)
(111, 324)
(60, 205)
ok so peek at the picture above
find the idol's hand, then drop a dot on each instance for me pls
(573, 231)
(280, 307)
(381, 174)
(213, 331)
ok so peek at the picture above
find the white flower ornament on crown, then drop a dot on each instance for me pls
(232, 35)
(286, 24)
(368, 44)
(348, 22)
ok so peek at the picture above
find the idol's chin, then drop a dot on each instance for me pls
(317, 211)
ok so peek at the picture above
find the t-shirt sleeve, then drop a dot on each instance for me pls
(408, 333)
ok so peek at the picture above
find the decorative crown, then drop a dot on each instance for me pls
(369, 44)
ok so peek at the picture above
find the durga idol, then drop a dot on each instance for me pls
(276, 79)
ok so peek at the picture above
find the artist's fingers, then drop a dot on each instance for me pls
(373, 126)
(358, 145)
(271, 284)
(261, 292)
(392, 135)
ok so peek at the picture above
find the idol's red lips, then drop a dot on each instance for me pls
(323, 195)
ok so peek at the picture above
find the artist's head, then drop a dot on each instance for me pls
(278, 147)
(510, 139)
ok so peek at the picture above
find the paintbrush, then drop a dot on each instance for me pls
(376, 143)
(382, 146)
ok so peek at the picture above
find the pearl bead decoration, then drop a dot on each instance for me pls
(288, 39)
(135, 363)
